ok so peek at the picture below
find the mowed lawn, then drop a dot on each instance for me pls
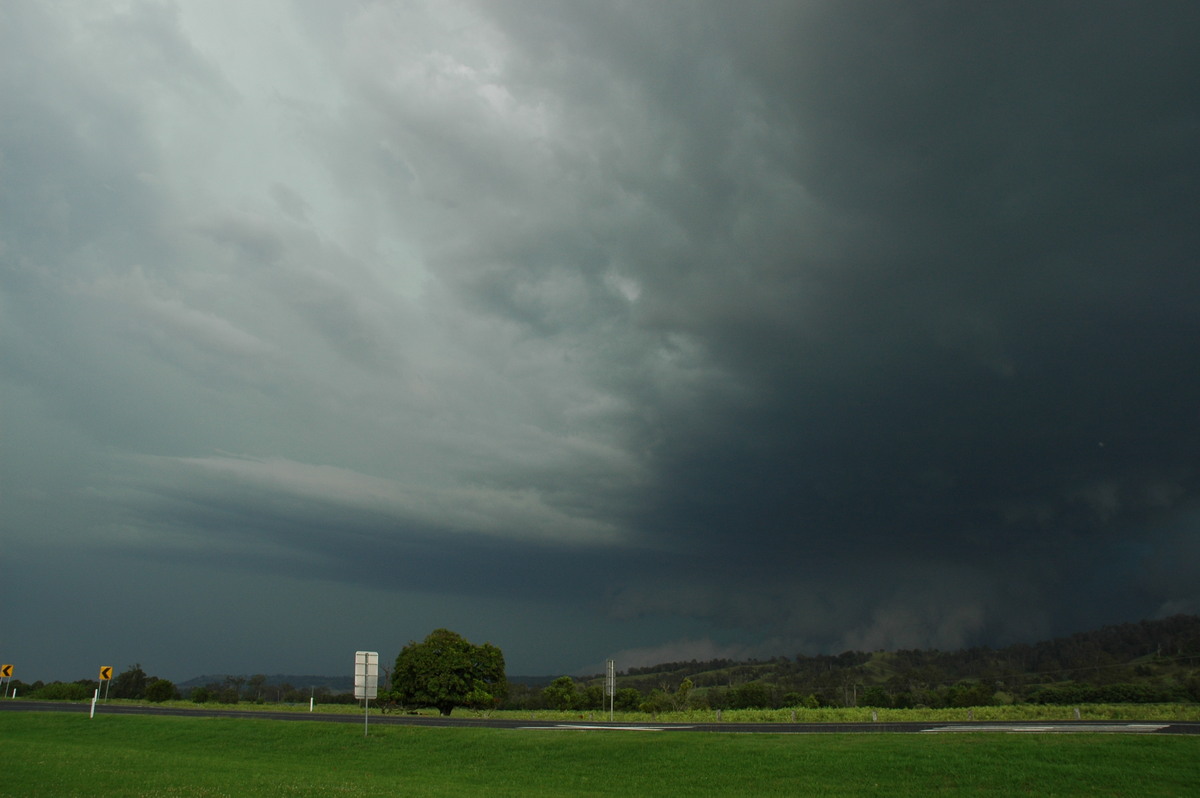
(68, 754)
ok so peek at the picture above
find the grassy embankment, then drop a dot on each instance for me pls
(52, 754)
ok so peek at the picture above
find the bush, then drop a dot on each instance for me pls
(752, 695)
(657, 701)
(561, 693)
(161, 690)
(627, 699)
(68, 691)
(201, 695)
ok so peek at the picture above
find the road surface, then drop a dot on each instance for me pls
(1010, 727)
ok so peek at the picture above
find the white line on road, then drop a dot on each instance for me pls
(1127, 728)
(583, 727)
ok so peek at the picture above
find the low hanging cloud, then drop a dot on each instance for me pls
(436, 511)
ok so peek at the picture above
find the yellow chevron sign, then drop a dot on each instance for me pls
(5, 671)
(106, 673)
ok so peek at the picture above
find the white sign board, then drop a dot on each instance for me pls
(366, 674)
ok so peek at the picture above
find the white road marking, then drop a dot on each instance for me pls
(585, 727)
(1127, 728)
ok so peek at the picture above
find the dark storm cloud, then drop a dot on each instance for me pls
(749, 330)
(983, 358)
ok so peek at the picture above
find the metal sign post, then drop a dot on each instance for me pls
(610, 685)
(366, 681)
(106, 677)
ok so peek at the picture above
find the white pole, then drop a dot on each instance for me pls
(366, 715)
(96, 695)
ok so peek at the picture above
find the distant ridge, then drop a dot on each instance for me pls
(335, 684)
(1165, 650)
(1162, 656)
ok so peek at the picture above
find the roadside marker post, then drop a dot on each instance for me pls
(366, 681)
(95, 695)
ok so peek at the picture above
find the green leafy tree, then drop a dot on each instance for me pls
(658, 701)
(874, 696)
(752, 695)
(130, 683)
(60, 691)
(592, 697)
(446, 671)
(161, 690)
(627, 699)
(683, 695)
(561, 693)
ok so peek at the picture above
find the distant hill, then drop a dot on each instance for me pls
(1148, 660)
(533, 681)
(334, 684)
(1160, 657)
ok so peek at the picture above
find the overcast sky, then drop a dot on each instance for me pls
(655, 331)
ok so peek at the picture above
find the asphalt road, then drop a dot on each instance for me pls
(1011, 727)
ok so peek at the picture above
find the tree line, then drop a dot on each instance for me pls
(1147, 662)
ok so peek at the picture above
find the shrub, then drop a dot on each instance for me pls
(752, 695)
(68, 691)
(161, 690)
(627, 699)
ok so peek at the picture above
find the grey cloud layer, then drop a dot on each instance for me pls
(805, 325)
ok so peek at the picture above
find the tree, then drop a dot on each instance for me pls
(657, 701)
(561, 693)
(683, 695)
(874, 696)
(161, 690)
(592, 697)
(130, 683)
(627, 699)
(752, 695)
(446, 671)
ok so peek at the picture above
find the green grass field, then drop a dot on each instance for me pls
(68, 754)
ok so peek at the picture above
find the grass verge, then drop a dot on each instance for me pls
(52, 754)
